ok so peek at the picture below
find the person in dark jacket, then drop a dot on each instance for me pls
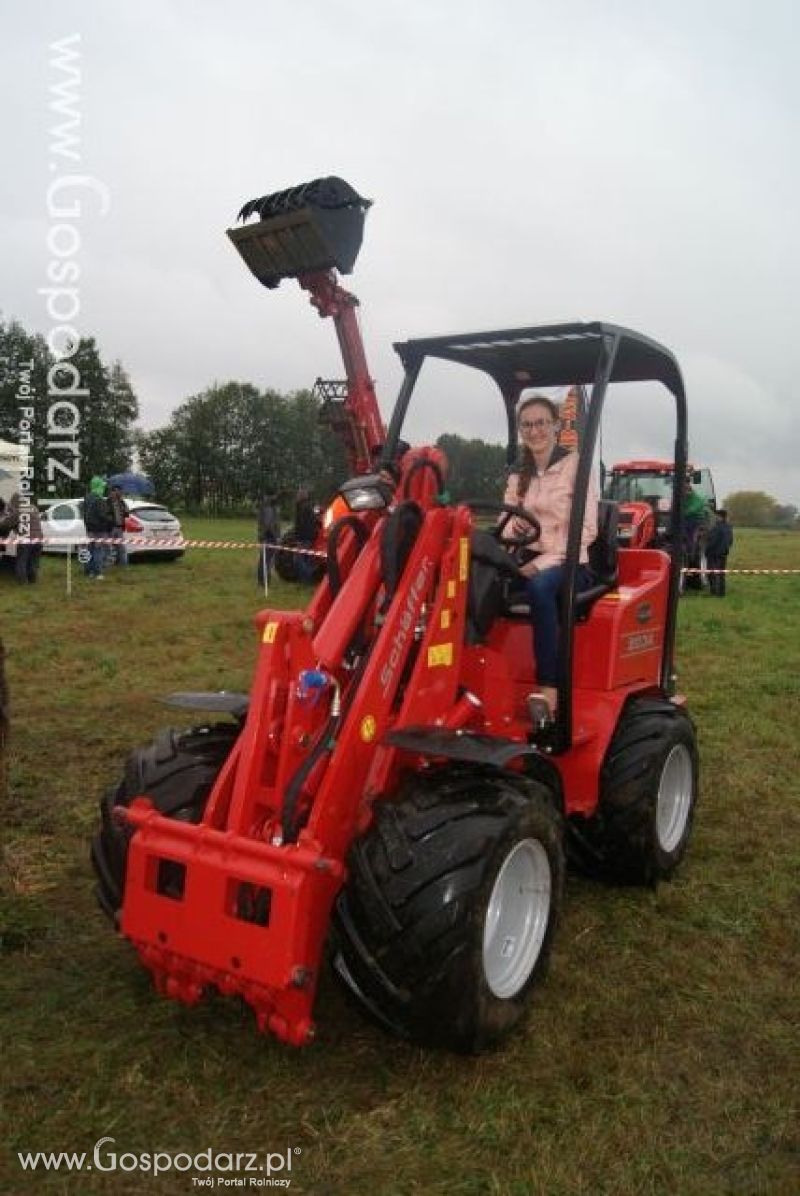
(306, 524)
(306, 530)
(98, 520)
(269, 534)
(718, 544)
(119, 512)
(22, 516)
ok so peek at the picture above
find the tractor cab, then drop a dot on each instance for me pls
(582, 355)
(644, 490)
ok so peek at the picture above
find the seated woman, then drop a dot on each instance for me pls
(543, 482)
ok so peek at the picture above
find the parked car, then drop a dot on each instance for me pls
(151, 530)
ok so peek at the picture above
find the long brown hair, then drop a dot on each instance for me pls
(526, 463)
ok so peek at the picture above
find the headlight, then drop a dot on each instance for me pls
(365, 499)
(369, 493)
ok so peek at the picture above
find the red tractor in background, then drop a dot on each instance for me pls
(382, 793)
(643, 490)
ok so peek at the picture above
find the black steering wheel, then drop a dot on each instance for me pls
(509, 511)
(505, 512)
(504, 552)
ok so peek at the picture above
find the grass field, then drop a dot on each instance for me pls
(662, 1052)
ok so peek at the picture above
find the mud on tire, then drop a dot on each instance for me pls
(177, 771)
(454, 894)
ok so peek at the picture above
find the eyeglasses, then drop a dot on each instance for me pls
(528, 425)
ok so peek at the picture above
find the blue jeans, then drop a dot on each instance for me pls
(118, 552)
(98, 555)
(542, 592)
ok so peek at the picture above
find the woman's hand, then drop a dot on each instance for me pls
(529, 570)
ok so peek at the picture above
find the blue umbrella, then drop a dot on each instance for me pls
(132, 483)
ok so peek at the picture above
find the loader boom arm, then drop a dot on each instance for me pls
(358, 421)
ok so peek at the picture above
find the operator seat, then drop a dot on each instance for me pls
(603, 559)
(603, 563)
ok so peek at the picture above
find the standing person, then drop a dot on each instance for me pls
(306, 529)
(269, 534)
(695, 517)
(543, 482)
(25, 520)
(97, 517)
(119, 513)
(718, 544)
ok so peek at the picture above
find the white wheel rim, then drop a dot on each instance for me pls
(516, 918)
(675, 793)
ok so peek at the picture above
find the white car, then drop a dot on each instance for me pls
(150, 529)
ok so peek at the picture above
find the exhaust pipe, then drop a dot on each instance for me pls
(301, 230)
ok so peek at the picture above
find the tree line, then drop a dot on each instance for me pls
(75, 416)
(231, 444)
(755, 508)
(223, 448)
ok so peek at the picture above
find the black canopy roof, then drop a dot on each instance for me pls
(550, 355)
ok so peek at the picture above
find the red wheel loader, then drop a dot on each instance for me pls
(382, 796)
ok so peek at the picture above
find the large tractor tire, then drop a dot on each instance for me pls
(177, 772)
(286, 561)
(648, 793)
(448, 917)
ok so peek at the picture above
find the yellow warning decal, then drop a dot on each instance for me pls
(463, 558)
(440, 654)
(270, 631)
(368, 728)
(451, 589)
(444, 620)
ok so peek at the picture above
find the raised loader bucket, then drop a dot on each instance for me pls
(316, 226)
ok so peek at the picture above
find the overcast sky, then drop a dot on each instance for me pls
(529, 162)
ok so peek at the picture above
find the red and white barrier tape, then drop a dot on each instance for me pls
(180, 542)
(727, 572)
(157, 542)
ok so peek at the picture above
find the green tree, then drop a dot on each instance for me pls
(751, 508)
(787, 516)
(67, 448)
(477, 469)
(120, 416)
(231, 443)
(159, 458)
(25, 359)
